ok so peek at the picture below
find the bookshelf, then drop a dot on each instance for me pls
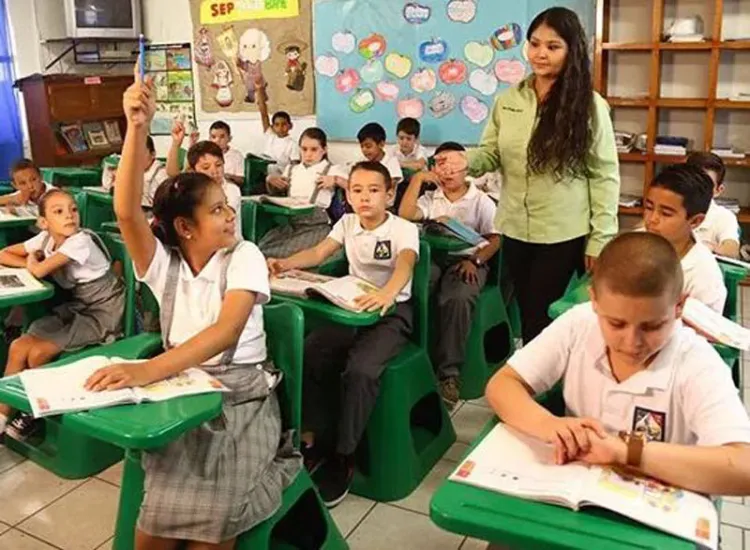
(637, 50)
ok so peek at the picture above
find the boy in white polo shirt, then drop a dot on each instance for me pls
(640, 388)
(675, 205)
(383, 249)
(278, 144)
(463, 276)
(234, 161)
(720, 231)
(408, 151)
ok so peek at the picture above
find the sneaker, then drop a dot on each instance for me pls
(335, 479)
(449, 391)
(313, 457)
(24, 426)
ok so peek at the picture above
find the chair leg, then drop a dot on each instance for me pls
(131, 496)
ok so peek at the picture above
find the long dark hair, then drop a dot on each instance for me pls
(562, 136)
(177, 197)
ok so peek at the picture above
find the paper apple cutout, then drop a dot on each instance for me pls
(361, 101)
(347, 80)
(479, 53)
(433, 51)
(387, 90)
(343, 41)
(372, 46)
(412, 107)
(398, 65)
(416, 14)
(453, 72)
(473, 109)
(510, 71)
(483, 81)
(372, 71)
(462, 11)
(442, 104)
(525, 50)
(423, 80)
(326, 65)
(507, 37)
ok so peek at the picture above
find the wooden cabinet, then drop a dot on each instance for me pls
(53, 101)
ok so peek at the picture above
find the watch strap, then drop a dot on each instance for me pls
(635, 443)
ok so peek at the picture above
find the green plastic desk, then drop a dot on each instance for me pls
(99, 209)
(26, 298)
(110, 227)
(12, 230)
(443, 243)
(276, 210)
(324, 310)
(74, 176)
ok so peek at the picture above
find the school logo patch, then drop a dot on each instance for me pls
(650, 423)
(382, 250)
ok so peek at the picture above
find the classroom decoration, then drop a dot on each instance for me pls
(246, 44)
(171, 67)
(441, 61)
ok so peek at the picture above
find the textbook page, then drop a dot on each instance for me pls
(343, 291)
(705, 320)
(292, 203)
(15, 281)
(296, 282)
(191, 381)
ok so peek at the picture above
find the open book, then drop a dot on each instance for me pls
(509, 462)
(292, 203)
(25, 212)
(455, 228)
(705, 320)
(15, 281)
(340, 291)
(61, 390)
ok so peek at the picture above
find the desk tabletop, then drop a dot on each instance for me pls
(325, 310)
(25, 298)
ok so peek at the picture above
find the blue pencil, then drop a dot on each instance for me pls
(142, 55)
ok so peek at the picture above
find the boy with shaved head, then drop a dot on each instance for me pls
(640, 388)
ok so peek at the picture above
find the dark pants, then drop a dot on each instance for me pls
(351, 361)
(540, 273)
(455, 302)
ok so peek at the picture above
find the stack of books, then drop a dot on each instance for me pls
(671, 145)
(630, 201)
(729, 152)
(624, 141)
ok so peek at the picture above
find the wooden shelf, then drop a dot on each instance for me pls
(735, 45)
(665, 102)
(730, 104)
(633, 157)
(682, 103)
(630, 210)
(744, 215)
(684, 46)
(628, 101)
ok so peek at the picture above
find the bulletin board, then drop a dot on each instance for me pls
(171, 67)
(440, 61)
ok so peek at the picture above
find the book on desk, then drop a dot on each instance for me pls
(15, 281)
(340, 291)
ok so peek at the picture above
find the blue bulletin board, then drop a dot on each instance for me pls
(441, 61)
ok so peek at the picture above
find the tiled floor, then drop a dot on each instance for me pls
(43, 512)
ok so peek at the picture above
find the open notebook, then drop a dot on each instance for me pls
(509, 462)
(17, 280)
(341, 291)
(60, 390)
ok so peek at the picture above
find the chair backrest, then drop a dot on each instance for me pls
(420, 295)
(119, 253)
(249, 220)
(100, 208)
(285, 331)
(732, 277)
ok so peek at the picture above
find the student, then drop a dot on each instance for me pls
(26, 179)
(675, 205)
(79, 263)
(464, 275)
(408, 151)
(371, 139)
(234, 161)
(720, 231)
(381, 248)
(227, 475)
(279, 145)
(154, 175)
(206, 157)
(628, 366)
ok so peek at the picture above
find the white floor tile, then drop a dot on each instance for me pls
(27, 488)
(457, 452)
(735, 514)
(736, 500)
(731, 538)
(84, 519)
(349, 513)
(456, 408)
(389, 528)
(8, 458)
(107, 545)
(469, 421)
(747, 539)
(15, 540)
(113, 474)
(419, 500)
(474, 544)
(3, 527)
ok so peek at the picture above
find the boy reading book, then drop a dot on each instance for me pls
(675, 205)
(382, 249)
(641, 389)
(460, 277)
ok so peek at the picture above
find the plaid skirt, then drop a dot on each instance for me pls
(222, 478)
(301, 233)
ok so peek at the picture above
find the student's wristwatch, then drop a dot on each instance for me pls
(635, 442)
(476, 260)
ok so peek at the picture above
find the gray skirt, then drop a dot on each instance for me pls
(301, 233)
(92, 316)
(224, 477)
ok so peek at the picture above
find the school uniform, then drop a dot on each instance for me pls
(719, 225)
(234, 200)
(93, 312)
(417, 153)
(226, 476)
(302, 232)
(455, 298)
(703, 278)
(686, 396)
(234, 163)
(154, 176)
(47, 187)
(351, 361)
(282, 150)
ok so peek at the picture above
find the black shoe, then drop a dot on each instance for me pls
(313, 457)
(24, 426)
(11, 333)
(335, 479)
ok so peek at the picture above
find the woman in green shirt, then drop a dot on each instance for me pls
(552, 139)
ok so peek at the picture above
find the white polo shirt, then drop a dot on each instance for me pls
(302, 180)
(372, 254)
(475, 209)
(720, 225)
(703, 278)
(198, 299)
(686, 396)
(234, 163)
(234, 199)
(418, 153)
(47, 187)
(152, 179)
(282, 150)
(87, 261)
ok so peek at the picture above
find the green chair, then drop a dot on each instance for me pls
(409, 429)
(733, 275)
(256, 169)
(99, 208)
(74, 176)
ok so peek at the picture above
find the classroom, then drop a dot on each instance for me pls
(374, 274)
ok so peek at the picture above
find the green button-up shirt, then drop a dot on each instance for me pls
(541, 208)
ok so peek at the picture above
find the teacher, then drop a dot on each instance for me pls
(551, 137)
